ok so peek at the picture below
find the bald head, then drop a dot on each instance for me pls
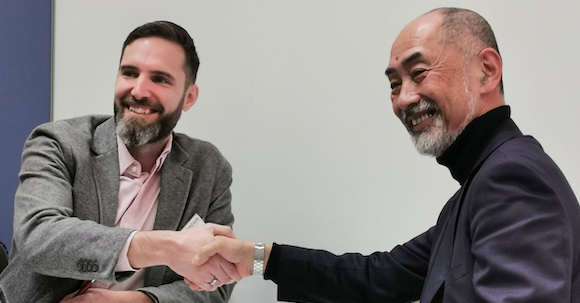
(466, 29)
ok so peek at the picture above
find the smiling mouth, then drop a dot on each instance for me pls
(139, 110)
(420, 116)
(420, 119)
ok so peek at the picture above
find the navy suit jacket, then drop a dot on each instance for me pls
(511, 233)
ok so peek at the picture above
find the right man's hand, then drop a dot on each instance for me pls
(236, 251)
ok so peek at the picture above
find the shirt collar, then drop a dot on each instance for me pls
(126, 160)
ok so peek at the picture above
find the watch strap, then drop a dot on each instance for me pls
(259, 252)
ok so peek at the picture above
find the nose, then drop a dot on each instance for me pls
(407, 98)
(142, 88)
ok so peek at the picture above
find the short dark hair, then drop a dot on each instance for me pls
(461, 26)
(170, 32)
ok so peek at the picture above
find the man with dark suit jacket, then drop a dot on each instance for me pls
(511, 233)
(104, 199)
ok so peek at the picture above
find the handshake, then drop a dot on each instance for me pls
(206, 256)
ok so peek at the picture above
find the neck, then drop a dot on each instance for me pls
(147, 154)
(491, 101)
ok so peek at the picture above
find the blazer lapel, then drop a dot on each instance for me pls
(106, 171)
(442, 251)
(175, 185)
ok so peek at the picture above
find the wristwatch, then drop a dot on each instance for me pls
(259, 250)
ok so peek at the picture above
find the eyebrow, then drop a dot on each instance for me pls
(412, 58)
(155, 72)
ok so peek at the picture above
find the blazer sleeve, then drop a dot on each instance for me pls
(523, 246)
(220, 206)
(49, 239)
(306, 275)
(179, 291)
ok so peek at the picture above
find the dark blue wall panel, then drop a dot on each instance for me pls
(25, 59)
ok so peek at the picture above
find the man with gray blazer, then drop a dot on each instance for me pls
(104, 205)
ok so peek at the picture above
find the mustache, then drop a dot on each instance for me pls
(423, 105)
(130, 100)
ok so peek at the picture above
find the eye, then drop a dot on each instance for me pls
(159, 79)
(129, 73)
(418, 74)
(395, 87)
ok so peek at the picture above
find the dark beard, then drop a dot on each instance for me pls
(134, 132)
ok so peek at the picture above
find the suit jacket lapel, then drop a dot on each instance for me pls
(442, 251)
(175, 186)
(106, 171)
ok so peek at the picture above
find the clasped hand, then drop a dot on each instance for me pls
(215, 271)
(224, 248)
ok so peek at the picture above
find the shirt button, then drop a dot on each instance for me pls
(134, 169)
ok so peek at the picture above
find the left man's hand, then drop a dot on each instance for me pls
(176, 249)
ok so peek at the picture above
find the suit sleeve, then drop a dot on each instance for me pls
(522, 240)
(220, 207)
(179, 291)
(49, 239)
(306, 275)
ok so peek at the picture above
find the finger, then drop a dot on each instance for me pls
(230, 269)
(206, 252)
(223, 230)
(192, 285)
(206, 274)
(218, 272)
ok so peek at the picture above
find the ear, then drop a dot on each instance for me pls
(491, 68)
(190, 96)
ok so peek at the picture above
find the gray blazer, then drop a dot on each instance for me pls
(66, 204)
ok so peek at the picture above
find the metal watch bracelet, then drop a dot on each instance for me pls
(259, 251)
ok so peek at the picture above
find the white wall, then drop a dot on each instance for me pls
(294, 95)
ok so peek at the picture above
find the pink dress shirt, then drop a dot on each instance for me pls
(138, 192)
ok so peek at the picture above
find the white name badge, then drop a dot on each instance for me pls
(196, 220)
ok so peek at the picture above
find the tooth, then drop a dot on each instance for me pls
(414, 122)
(139, 110)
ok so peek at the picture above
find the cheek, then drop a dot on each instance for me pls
(396, 109)
(122, 87)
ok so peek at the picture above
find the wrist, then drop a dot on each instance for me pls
(148, 248)
(258, 264)
(260, 258)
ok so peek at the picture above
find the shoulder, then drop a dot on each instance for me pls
(195, 146)
(78, 127)
(199, 152)
(520, 156)
(520, 174)
(70, 136)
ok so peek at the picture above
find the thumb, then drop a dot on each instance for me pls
(204, 253)
(222, 230)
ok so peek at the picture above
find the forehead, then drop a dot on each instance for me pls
(421, 36)
(154, 53)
